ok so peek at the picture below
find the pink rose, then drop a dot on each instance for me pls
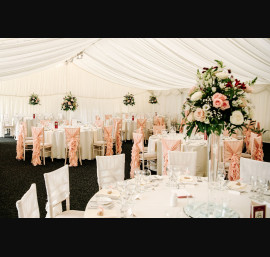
(248, 89)
(225, 105)
(69, 103)
(199, 115)
(219, 96)
(217, 103)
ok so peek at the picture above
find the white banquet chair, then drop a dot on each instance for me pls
(249, 167)
(110, 169)
(27, 206)
(57, 187)
(187, 160)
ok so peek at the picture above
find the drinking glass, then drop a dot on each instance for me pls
(221, 175)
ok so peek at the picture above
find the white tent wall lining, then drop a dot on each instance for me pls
(97, 96)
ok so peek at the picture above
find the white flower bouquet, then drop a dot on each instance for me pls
(218, 102)
(69, 103)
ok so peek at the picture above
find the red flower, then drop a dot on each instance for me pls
(237, 82)
(229, 84)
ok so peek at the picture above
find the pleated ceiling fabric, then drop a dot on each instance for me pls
(145, 63)
(169, 63)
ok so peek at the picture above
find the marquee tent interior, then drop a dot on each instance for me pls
(151, 162)
(111, 67)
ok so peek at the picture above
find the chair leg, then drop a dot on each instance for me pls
(43, 156)
(65, 156)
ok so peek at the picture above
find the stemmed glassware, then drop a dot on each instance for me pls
(221, 175)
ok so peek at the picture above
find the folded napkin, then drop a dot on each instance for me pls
(93, 213)
(236, 185)
(112, 193)
(186, 178)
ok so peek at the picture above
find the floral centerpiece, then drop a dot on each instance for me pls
(34, 99)
(129, 99)
(218, 102)
(152, 99)
(69, 103)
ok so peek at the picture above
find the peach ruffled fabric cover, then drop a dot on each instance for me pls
(232, 153)
(257, 153)
(135, 152)
(158, 129)
(169, 145)
(19, 146)
(37, 134)
(108, 139)
(73, 141)
(118, 137)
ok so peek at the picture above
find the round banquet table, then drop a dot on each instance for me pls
(57, 138)
(155, 201)
(198, 145)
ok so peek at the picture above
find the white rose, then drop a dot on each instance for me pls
(222, 75)
(190, 117)
(196, 96)
(222, 85)
(237, 118)
(214, 89)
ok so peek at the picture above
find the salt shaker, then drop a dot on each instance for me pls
(173, 200)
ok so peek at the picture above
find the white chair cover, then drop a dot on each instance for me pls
(184, 159)
(57, 187)
(110, 169)
(249, 167)
(27, 206)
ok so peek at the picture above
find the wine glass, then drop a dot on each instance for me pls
(221, 175)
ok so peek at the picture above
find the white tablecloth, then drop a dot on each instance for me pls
(200, 146)
(57, 139)
(155, 203)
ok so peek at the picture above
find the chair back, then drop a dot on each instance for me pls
(110, 169)
(135, 152)
(169, 145)
(249, 167)
(158, 129)
(257, 149)
(232, 150)
(38, 138)
(57, 188)
(73, 142)
(108, 116)
(108, 139)
(186, 160)
(118, 139)
(27, 206)
(20, 143)
(99, 123)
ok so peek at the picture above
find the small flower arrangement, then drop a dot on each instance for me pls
(34, 99)
(69, 103)
(129, 99)
(218, 102)
(152, 99)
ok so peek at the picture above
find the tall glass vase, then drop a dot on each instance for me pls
(213, 147)
(68, 117)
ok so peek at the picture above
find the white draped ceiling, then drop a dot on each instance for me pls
(111, 67)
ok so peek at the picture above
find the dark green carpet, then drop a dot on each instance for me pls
(17, 176)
